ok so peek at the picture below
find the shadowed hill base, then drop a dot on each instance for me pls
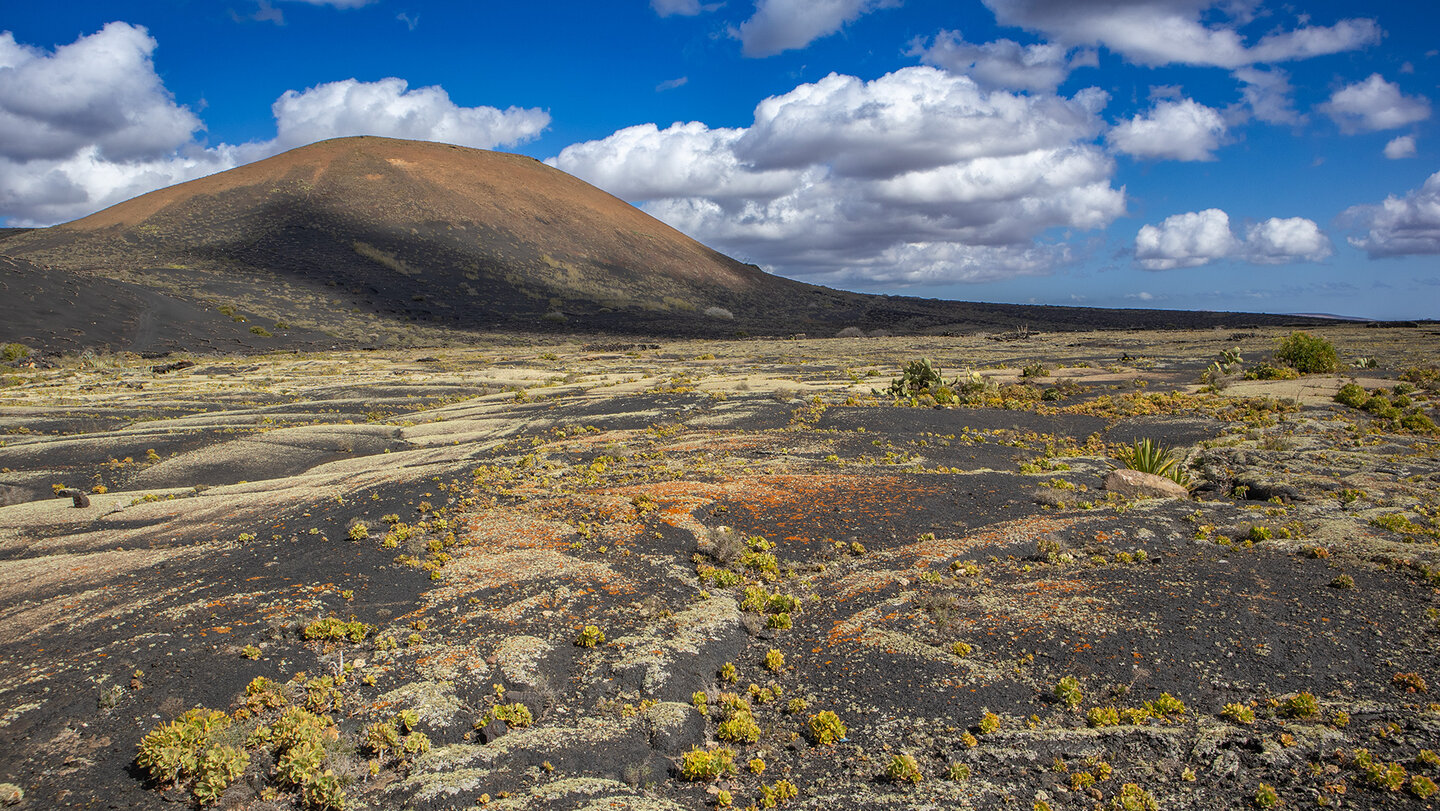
(371, 238)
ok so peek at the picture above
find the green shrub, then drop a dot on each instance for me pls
(10, 353)
(1422, 786)
(1068, 691)
(1266, 796)
(916, 378)
(514, 715)
(590, 637)
(699, 764)
(782, 792)
(1351, 394)
(1307, 354)
(825, 728)
(1238, 713)
(1148, 457)
(261, 331)
(171, 752)
(1133, 798)
(219, 767)
(331, 629)
(1102, 717)
(324, 793)
(1301, 705)
(903, 768)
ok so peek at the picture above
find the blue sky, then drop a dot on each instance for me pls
(1235, 155)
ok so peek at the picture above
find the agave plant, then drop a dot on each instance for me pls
(1148, 457)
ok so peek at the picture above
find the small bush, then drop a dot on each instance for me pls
(1301, 705)
(1068, 691)
(514, 715)
(1351, 394)
(590, 637)
(1102, 717)
(700, 764)
(774, 661)
(1148, 457)
(1266, 796)
(1238, 713)
(825, 728)
(1307, 354)
(262, 332)
(903, 768)
(331, 629)
(12, 353)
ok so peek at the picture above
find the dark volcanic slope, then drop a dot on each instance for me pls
(400, 232)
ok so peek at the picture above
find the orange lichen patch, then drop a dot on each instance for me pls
(497, 530)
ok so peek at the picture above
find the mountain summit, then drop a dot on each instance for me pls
(407, 229)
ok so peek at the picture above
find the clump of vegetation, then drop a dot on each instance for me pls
(700, 764)
(515, 715)
(1102, 717)
(782, 792)
(590, 637)
(1266, 796)
(14, 353)
(1133, 798)
(1068, 691)
(1301, 705)
(1238, 713)
(825, 728)
(1351, 394)
(903, 768)
(1307, 354)
(1148, 457)
(333, 629)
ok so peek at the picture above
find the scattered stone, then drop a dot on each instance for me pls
(1134, 483)
(493, 731)
(81, 500)
(166, 368)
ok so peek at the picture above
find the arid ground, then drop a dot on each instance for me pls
(540, 574)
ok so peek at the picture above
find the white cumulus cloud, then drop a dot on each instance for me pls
(91, 124)
(1289, 239)
(1400, 226)
(919, 176)
(1193, 32)
(1004, 62)
(1182, 130)
(101, 91)
(1198, 238)
(389, 108)
(1402, 147)
(784, 25)
(1374, 104)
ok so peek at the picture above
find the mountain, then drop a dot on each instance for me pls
(373, 239)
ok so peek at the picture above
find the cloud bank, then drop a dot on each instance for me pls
(91, 124)
(1191, 32)
(919, 176)
(1200, 237)
(1400, 226)
(784, 25)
